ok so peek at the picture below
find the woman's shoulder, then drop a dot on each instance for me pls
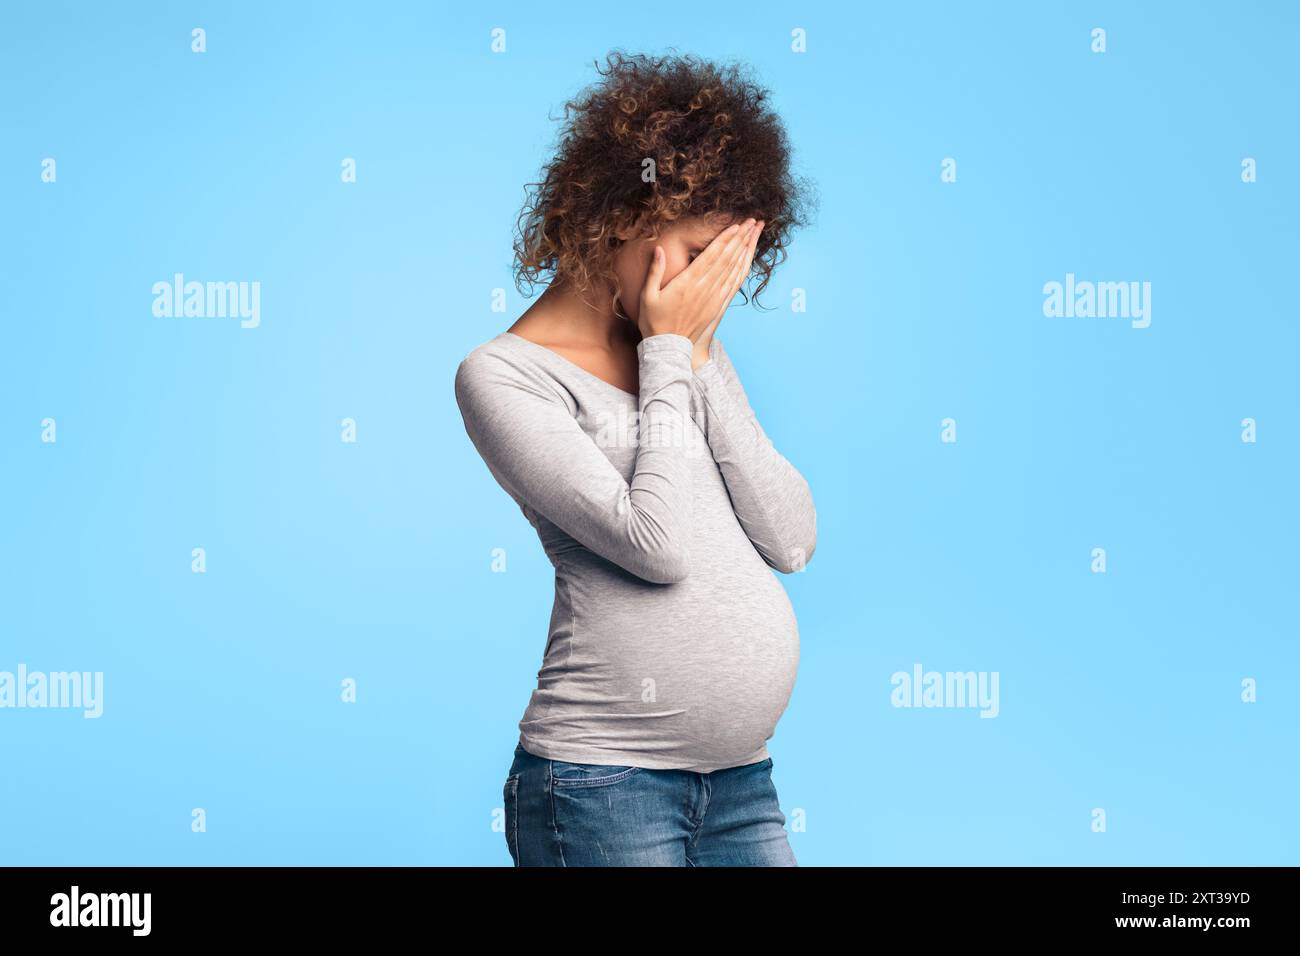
(486, 353)
(498, 369)
(488, 362)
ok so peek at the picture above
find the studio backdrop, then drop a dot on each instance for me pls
(1035, 353)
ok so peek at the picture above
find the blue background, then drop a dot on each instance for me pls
(372, 560)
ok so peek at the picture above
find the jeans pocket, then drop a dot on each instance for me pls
(511, 794)
(565, 774)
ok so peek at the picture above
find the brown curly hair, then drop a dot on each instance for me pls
(717, 147)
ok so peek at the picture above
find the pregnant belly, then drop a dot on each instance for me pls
(696, 673)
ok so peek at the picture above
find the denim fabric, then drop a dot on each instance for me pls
(579, 814)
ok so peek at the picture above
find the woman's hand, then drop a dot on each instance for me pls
(701, 353)
(695, 299)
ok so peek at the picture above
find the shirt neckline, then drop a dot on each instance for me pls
(569, 363)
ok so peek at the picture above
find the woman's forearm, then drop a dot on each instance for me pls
(772, 500)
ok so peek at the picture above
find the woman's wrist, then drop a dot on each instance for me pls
(702, 354)
(664, 342)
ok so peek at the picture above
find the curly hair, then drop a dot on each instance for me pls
(716, 146)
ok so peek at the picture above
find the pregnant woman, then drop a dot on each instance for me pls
(610, 412)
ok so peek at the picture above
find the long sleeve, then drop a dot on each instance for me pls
(770, 497)
(540, 455)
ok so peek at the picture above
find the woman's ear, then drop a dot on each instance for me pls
(632, 229)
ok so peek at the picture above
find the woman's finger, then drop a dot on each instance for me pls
(748, 265)
(720, 275)
(745, 261)
(654, 276)
(720, 265)
(729, 282)
(706, 261)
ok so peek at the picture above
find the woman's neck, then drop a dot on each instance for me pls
(562, 316)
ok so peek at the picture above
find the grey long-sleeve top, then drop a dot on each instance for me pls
(672, 644)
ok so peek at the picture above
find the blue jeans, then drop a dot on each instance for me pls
(580, 814)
